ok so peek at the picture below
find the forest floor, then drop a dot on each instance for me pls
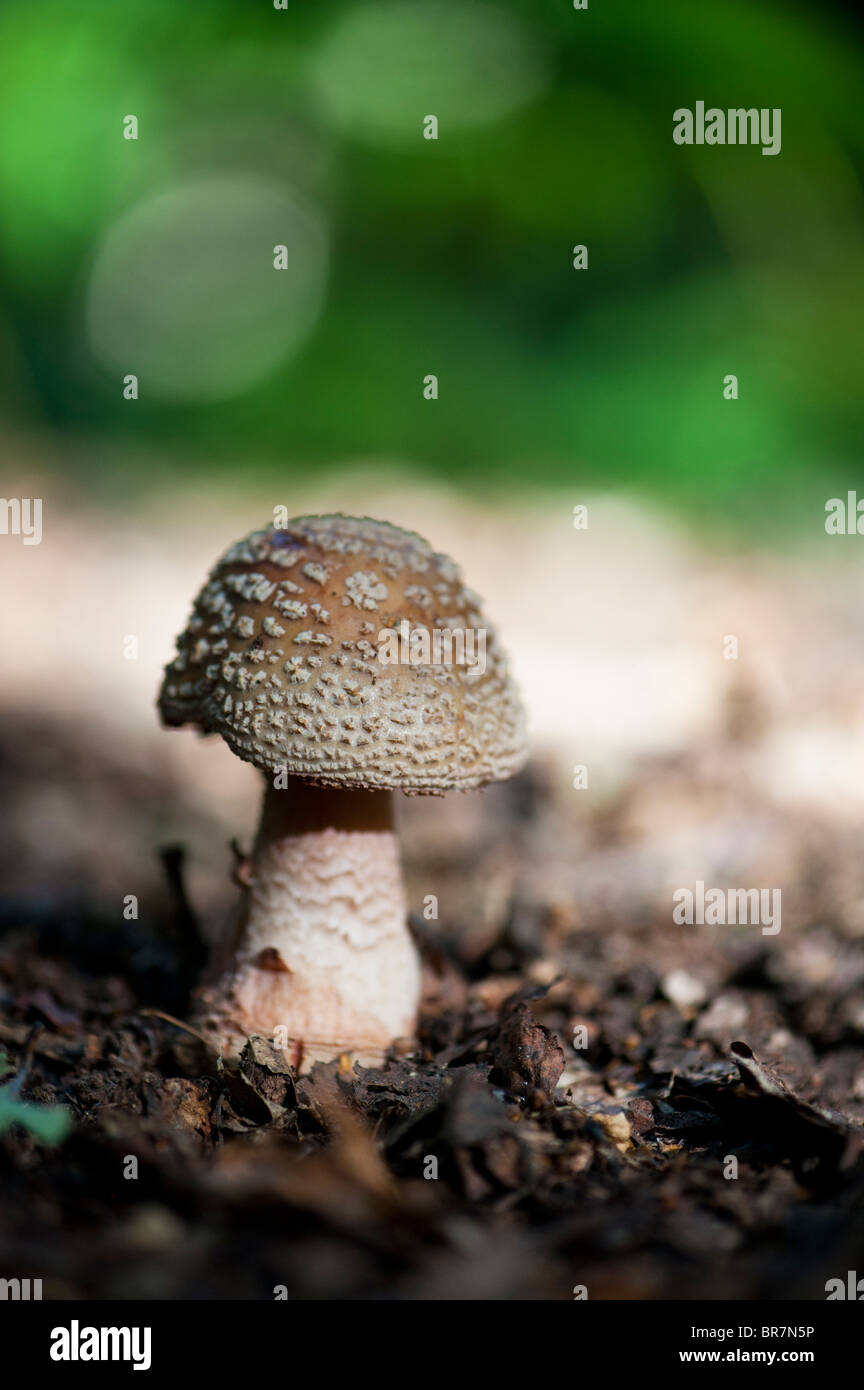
(598, 1099)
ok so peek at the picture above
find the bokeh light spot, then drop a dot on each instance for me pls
(184, 294)
(385, 66)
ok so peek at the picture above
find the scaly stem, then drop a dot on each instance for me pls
(322, 960)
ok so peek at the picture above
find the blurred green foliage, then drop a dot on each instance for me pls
(453, 256)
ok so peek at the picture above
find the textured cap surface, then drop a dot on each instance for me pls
(331, 647)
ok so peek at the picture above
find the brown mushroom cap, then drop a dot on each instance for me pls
(281, 657)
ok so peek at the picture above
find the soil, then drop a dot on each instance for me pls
(598, 1101)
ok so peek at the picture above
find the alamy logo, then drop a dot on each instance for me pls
(845, 515)
(77, 1343)
(719, 906)
(21, 516)
(20, 1290)
(440, 646)
(733, 127)
(849, 1288)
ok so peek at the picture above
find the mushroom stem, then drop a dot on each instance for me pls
(321, 961)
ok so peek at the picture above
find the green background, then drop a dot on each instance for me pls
(450, 256)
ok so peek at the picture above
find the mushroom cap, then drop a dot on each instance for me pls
(290, 655)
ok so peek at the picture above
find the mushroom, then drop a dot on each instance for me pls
(345, 659)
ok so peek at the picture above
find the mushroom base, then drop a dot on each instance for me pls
(321, 961)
